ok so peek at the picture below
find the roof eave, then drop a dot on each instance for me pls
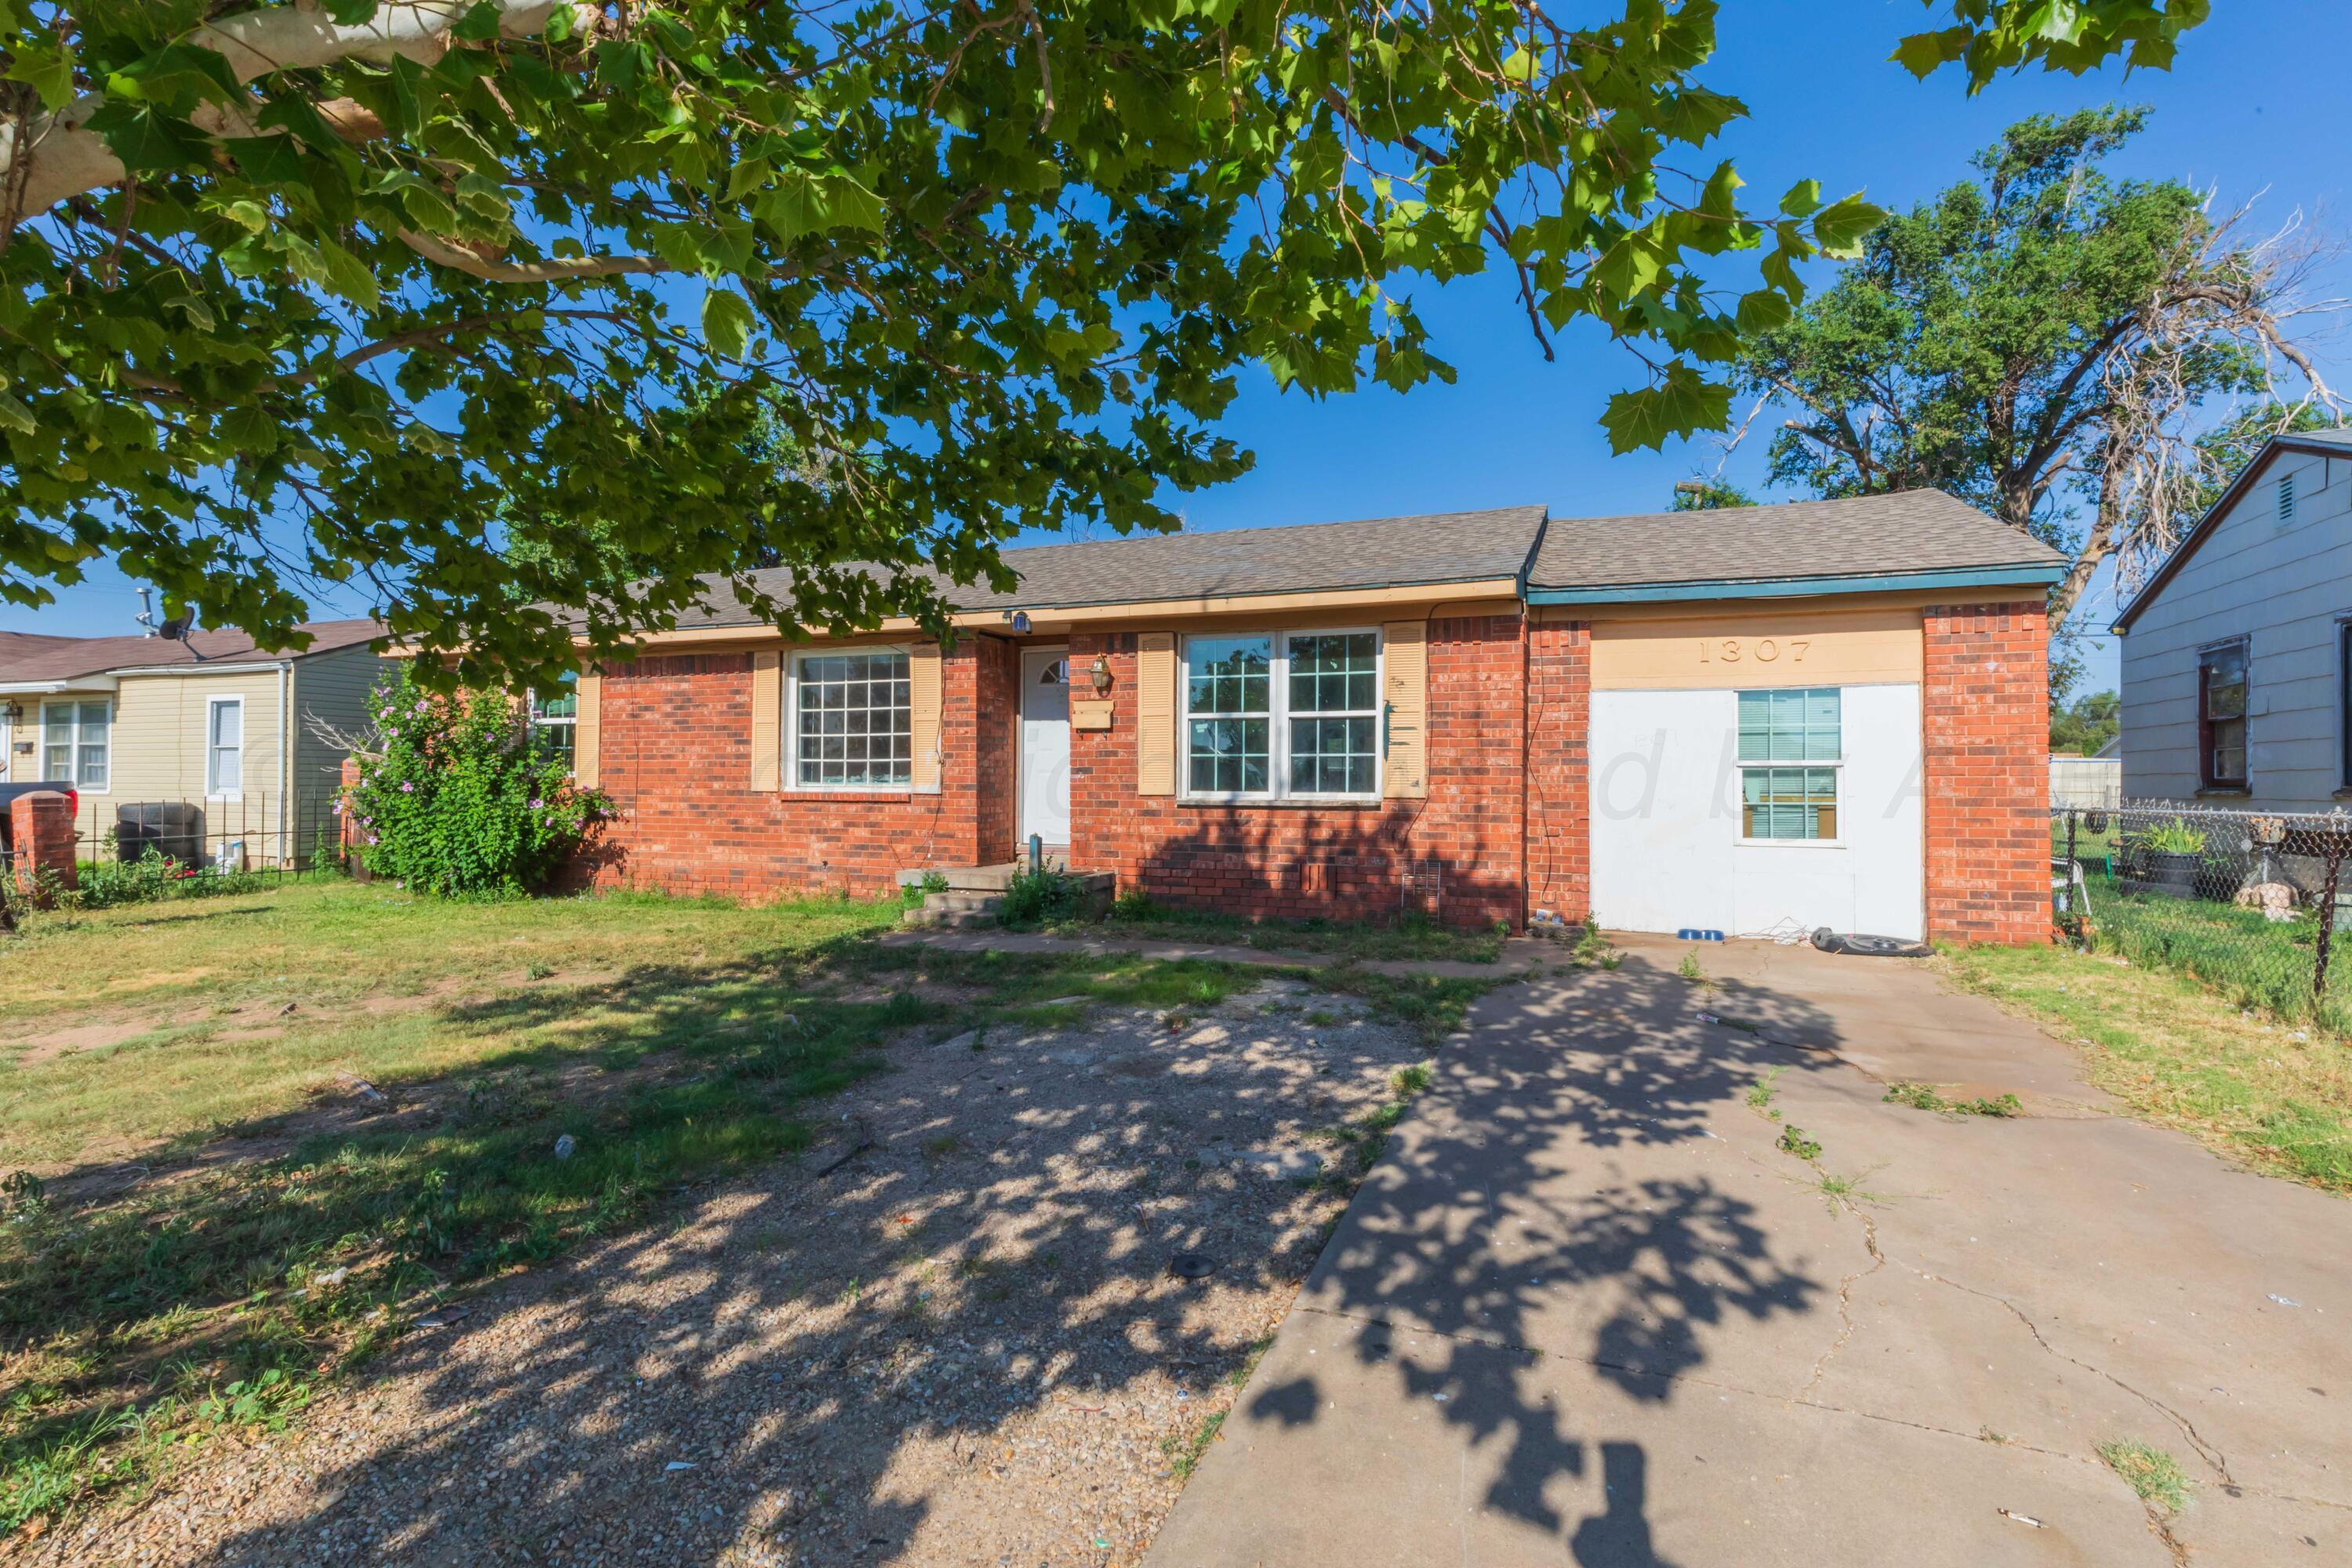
(2205, 525)
(2038, 574)
(54, 688)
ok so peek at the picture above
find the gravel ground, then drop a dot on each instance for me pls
(964, 1345)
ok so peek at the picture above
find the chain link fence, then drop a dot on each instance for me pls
(2252, 904)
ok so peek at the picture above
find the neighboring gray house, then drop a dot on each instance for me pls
(2235, 652)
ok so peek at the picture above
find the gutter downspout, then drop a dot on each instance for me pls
(285, 756)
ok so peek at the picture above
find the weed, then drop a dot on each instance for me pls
(1689, 970)
(1795, 1141)
(538, 971)
(1987, 1435)
(945, 1144)
(1925, 1097)
(1184, 1458)
(1407, 1081)
(1762, 1093)
(1844, 1192)
(2152, 1473)
(1042, 896)
(1322, 1018)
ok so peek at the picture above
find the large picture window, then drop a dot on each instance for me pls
(1800, 735)
(854, 721)
(2221, 716)
(1276, 715)
(77, 743)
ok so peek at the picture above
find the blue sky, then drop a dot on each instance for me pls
(2246, 111)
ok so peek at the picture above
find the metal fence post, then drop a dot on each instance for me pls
(2335, 844)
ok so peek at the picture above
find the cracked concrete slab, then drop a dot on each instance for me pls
(1588, 1310)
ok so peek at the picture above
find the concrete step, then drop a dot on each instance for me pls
(977, 878)
(957, 901)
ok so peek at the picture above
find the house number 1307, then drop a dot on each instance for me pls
(1763, 650)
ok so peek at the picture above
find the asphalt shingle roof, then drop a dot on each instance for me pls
(34, 655)
(1377, 552)
(1915, 531)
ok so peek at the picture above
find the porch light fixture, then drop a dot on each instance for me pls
(1100, 670)
(14, 713)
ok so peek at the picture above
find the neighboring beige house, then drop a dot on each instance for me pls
(211, 738)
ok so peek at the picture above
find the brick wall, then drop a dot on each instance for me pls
(676, 756)
(1560, 712)
(1987, 775)
(1456, 853)
(41, 837)
(995, 749)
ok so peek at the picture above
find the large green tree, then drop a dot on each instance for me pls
(2047, 341)
(294, 293)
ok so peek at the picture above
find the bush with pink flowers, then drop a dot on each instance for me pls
(458, 801)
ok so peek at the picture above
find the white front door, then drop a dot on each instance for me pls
(1046, 747)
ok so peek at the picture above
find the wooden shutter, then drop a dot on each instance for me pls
(1404, 775)
(1155, 713)
(587, 727)
(767, 720)
(923, 700)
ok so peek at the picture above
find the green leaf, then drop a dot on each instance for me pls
(16, 415)
(1764, 310)
(48, 69)
(1840, 228)
(1803, 197)
(146, 138)
(349, 276)
(1683, 403)
(726, 321)
(480, 25)
(268, 160)
(1922, 54)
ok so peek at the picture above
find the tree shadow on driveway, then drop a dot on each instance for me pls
(1562, 1199)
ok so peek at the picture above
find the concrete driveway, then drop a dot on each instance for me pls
(1587, 1310)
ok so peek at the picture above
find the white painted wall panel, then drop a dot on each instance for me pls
(1665, 821)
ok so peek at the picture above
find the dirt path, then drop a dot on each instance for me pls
(964, 1344)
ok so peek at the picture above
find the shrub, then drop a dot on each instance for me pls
(460, 802)
(1034, 897)
(2175, 837)
(103, 884)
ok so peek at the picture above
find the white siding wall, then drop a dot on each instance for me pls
(2282, 588)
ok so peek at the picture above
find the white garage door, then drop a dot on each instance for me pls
(1740, 812)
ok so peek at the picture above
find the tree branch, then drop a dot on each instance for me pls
(64, 158)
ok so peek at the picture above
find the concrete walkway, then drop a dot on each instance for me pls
(1587, 1311)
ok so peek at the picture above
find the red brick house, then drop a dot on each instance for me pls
(1827, 713)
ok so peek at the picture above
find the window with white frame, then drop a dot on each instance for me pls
(77, 743)
(1273, 715)
(852, 720)
(555, 718)
(224, 745)
(1791, 752)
